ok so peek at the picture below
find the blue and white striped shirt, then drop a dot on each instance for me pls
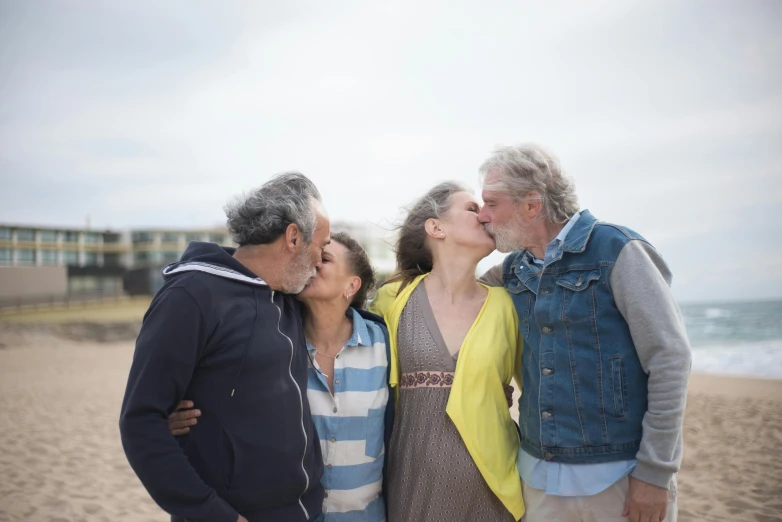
(351, 424)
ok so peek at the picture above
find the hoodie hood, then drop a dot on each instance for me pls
(213, 259)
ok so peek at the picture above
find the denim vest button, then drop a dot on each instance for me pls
(547, 371)
(545, 329)
(545, 292)
(548, 456)
(546, 414)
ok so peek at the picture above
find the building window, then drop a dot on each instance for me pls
(25, 234)
(140, 257)
(47, 236)
(70, 237)
(70, 258)
(193, 237)
(92, 238)
(91, 258)
(170, 257)
(48, 257)
(25, 256)
(82, 284)
(216, 238)
(143, 237)
(6, 256)
(5, 234)
(110, 259)
(170, 237)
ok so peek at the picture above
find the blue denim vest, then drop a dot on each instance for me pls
(584, 391)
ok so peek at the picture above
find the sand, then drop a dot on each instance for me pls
(61, 457)
(732, 468)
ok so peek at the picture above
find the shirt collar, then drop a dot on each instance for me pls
(557, 240)
(360, 336)
(569, 225)
(360, 331)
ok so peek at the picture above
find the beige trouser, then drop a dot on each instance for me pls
(606, 506)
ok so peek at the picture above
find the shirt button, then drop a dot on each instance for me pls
(333, 439)
(546, 414)
(548, 456)
(329, 466)
(326, 494)
(336, 381)
(335, 409)
(545, 329)
(547, 371)
(336, 356)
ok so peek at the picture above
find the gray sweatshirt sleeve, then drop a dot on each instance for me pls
(493, 276)
(640, 281)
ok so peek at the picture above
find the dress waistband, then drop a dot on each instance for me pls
(426, 380)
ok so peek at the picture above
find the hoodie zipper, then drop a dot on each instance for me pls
(301, 405)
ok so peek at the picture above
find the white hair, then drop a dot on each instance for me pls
(528, 167)
(261, 216)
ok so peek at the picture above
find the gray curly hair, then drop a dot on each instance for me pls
(529, 167)
(262, 215)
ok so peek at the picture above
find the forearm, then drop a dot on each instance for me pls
(640, 284)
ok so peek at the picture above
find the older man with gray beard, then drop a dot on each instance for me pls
(225, 331)
(606, 357)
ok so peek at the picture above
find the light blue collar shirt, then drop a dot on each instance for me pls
(556, 478)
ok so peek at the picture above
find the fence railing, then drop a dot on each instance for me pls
(49, 301)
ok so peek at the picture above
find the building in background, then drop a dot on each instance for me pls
(113, 261)
(159, 247)
(94, 261)
(46, 246)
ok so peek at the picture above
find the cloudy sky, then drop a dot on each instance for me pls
(667, 114)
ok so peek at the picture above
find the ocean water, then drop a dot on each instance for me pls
(738, 338)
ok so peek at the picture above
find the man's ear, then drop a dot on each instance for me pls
(533, 204)
(292, 237)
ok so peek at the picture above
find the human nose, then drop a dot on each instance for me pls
(483, 216)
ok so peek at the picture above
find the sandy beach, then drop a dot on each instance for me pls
(62, 459)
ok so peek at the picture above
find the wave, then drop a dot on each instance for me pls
(758, 359)
(716, 313)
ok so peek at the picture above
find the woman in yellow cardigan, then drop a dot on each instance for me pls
(455, 345)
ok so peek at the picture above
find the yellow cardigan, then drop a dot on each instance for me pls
(489, 357)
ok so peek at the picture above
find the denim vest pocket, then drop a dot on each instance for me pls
(578, 280)
(619, 386)
(375, 432)
(578, 304)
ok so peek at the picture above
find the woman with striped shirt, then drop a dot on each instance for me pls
(347, 386)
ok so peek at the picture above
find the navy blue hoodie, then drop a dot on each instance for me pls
(216, 334)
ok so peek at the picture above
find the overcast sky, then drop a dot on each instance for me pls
(667, 114)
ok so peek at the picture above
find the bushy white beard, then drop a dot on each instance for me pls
(508, 237)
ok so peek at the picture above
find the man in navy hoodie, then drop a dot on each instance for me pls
(225, 331)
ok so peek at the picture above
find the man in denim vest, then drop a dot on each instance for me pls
(606, 358)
